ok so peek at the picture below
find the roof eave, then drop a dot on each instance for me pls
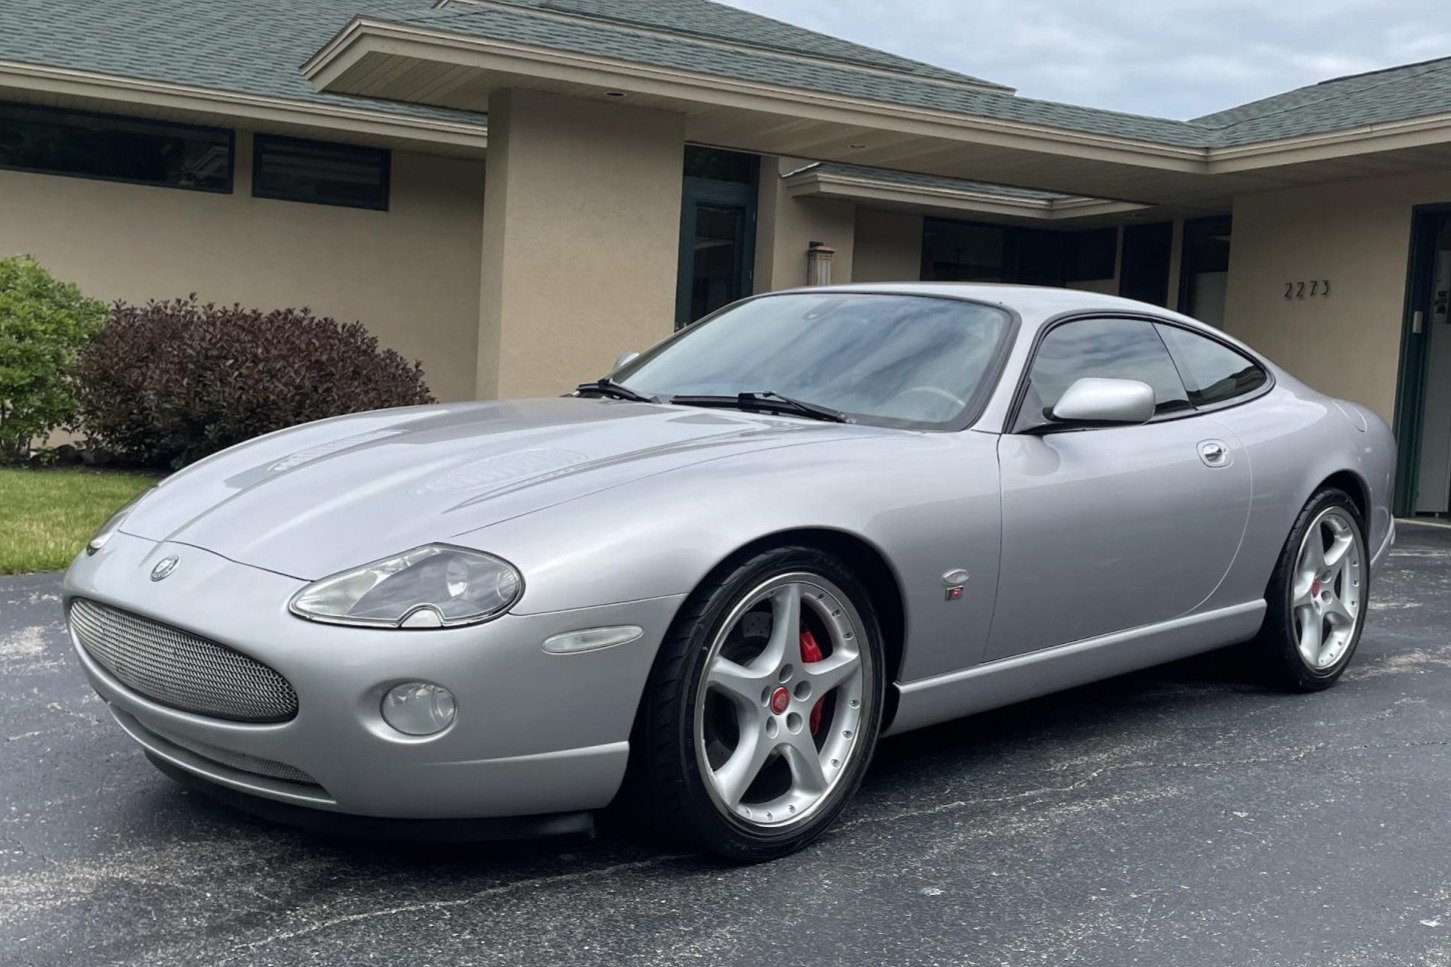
(372, 124)
(813, 183)
(1382, 136)
(366, 34)
(1183, 173)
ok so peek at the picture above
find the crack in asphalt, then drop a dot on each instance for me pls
(475, 897)
(1043, 793)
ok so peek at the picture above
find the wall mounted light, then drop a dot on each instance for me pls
(818, 263)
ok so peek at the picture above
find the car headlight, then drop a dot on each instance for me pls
(434, 586)
(110, 527)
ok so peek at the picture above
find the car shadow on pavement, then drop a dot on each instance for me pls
(1121, 705)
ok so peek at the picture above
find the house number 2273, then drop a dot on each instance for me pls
(1312, 289)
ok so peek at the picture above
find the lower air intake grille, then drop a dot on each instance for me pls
(180, 670)
(240, 761)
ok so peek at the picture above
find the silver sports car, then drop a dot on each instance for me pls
(704, 586)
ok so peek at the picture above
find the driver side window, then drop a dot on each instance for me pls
(1105, 348)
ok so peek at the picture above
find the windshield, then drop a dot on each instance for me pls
(901, 360)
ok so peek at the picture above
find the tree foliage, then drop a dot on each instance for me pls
(44, 324)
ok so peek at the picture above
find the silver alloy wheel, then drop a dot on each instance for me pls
(1328, 594)
(762, 763)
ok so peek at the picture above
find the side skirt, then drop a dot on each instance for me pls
(1021, 677)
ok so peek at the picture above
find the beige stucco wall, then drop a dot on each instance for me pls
(888, 246)
(787, 226)
(411, 273)
(581, 239)
(1355, 234)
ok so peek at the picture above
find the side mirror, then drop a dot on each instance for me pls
(1105, 402)
(624, 359)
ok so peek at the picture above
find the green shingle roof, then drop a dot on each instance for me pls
(703, 18)
(681, 53)
(243, 46)
(1378, 97)
(257, 47)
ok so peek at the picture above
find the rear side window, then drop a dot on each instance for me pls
(1103, 348)
(1212, 372)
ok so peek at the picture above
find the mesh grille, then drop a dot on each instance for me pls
(240, 761)
(181, 670)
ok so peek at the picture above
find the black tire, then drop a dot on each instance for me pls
(1277, 646)
(667, 789)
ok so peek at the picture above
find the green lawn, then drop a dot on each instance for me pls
(46, 516)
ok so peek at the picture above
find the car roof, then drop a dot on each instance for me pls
(1032, 302)
(1037, 305)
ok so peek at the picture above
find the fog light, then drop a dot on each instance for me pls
(418, 708)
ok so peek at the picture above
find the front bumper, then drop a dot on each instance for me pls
(535, 733)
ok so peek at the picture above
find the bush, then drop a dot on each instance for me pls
(168, 383)
(43, 325)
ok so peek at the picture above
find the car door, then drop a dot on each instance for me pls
(1115, 528)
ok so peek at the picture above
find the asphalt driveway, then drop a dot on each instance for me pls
(1183, 816)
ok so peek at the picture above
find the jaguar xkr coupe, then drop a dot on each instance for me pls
(705, 585)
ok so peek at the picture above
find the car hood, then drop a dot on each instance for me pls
(328, 496)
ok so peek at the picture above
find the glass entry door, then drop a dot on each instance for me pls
(1424, 420)
(1204, 271)
(717, 232)
(718, 244)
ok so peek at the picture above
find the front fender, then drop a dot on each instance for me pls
(928, 502)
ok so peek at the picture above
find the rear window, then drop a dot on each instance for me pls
(1212, 372)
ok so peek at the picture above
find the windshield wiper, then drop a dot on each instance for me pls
(766, 402)
(616, 391)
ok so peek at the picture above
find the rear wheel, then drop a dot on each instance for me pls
(764, 706)
(1318, 596)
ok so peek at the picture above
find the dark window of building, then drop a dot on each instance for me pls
(1204, 277)
(111, 148)
(1104, 348)
(963, 252)
(716, 165)
(1144, 274)
(954, 251)
(1212, 372)
(1089, 255)
(1035, 257)
(717, 231)
(320, 172)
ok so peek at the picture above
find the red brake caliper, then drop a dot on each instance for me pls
(810, 654)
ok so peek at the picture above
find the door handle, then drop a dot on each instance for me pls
(1214, 453)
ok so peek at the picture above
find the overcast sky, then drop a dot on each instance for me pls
(1170, 58)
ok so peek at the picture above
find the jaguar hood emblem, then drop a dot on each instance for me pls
(163, 568)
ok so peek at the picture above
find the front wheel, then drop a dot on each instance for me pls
(763, 710)
(1318, 595)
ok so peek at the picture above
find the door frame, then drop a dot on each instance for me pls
(733, 194)
(1426, 221)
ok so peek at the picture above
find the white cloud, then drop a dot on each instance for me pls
(1172, 58)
